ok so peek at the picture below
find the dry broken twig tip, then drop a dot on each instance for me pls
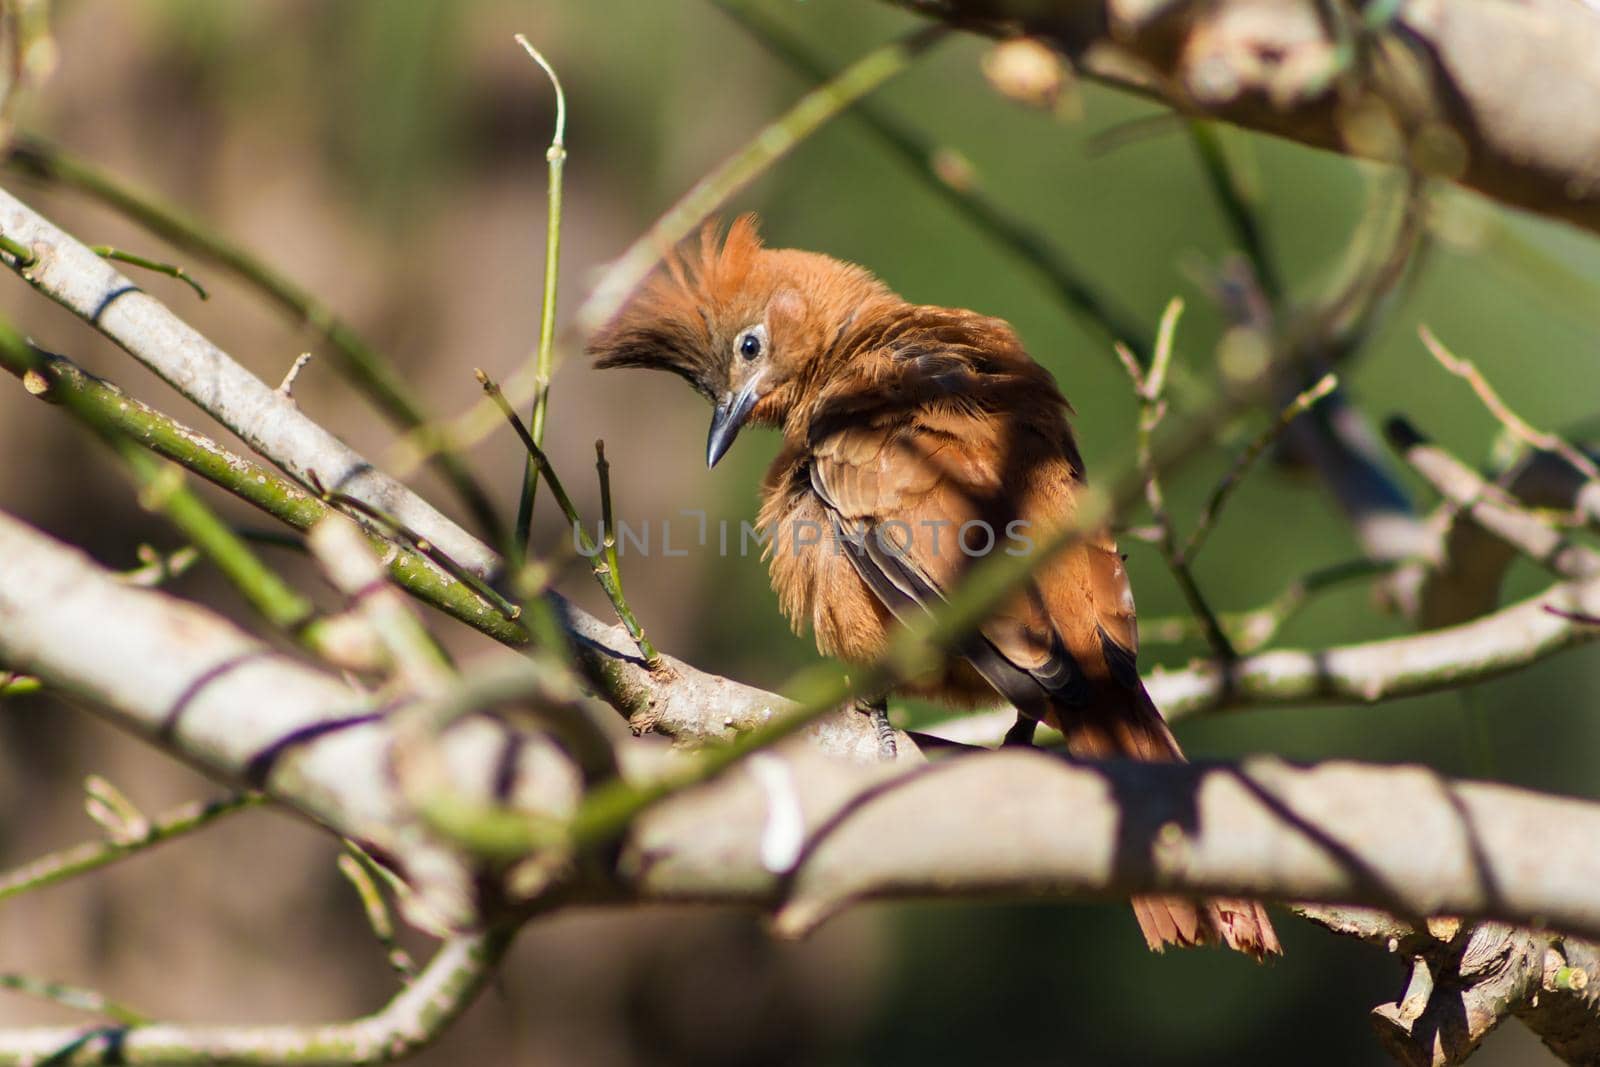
(286, 387)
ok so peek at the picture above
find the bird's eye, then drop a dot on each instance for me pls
(750, 345)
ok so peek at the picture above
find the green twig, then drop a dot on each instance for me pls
(808, 114)
(171, 270)
(21, 255)
(401, 531)
(556, 156)
(75, 997)
(162, 490)
(92, 855)
(13, 684)
(55, 379)
(606, 575)
(1149, 387)
(608, 526)
(361, 870)
(364, 366)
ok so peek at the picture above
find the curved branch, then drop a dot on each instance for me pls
(411, 1021)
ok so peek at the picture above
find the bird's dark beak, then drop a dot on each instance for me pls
(729, 416)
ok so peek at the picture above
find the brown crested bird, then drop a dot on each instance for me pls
(916, 440)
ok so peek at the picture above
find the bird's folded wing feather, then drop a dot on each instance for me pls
(922, 500)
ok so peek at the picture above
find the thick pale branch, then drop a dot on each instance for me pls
(971, 825)
(694, 708)
(1028, 823)
(1495, 95)
(222, 700)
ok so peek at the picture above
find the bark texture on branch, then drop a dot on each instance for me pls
(1498, 96)
(1401, 838)
(798, 827)
(229, 704)
(1466, 978)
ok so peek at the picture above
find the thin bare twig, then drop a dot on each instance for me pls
(71, 996)
(1524, 530)
(1148, 387)
(292, 375)
(92, 855)
(1250, 631)
(1468, 372)
(157, 568)
(362, 872)
(1246, 458)
(605, 575)
(171, 270)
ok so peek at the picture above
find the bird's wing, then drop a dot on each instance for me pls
(920, 501)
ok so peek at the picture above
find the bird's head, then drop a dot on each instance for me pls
(747, 326)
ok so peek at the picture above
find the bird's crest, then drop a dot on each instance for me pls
(671, 323)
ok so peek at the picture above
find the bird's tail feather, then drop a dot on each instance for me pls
(1124, 723)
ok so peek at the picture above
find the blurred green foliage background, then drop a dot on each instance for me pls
(390, 155)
